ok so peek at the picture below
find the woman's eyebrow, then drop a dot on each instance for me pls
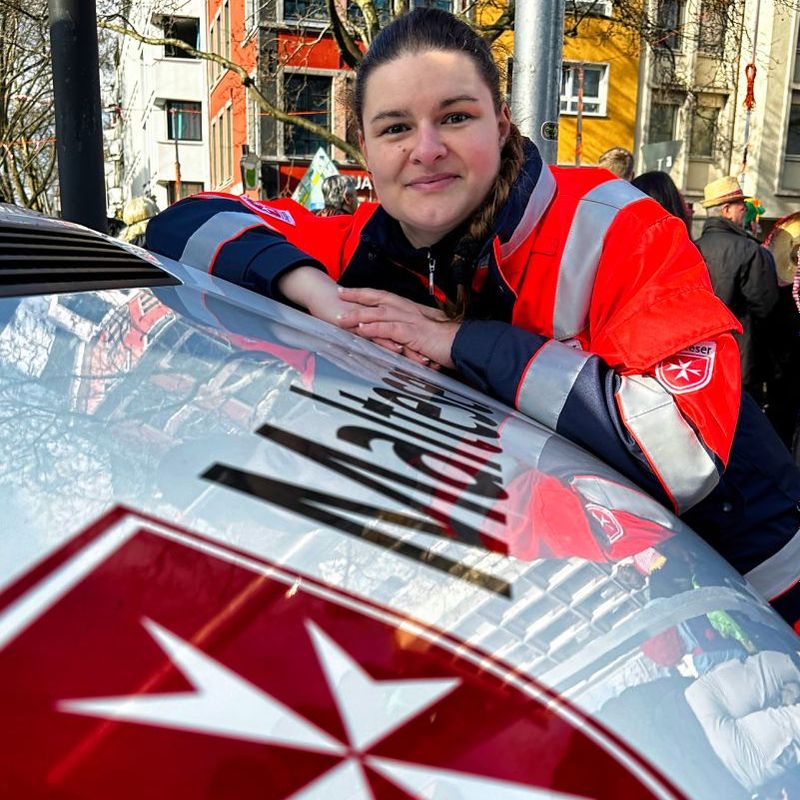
(458, 99)
(391, 114)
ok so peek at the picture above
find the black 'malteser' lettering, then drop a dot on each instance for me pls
(366, 473)
(322, 507)
(479, 481)
(386, 411)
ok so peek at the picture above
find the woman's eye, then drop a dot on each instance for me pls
(393, 129)
(456, 117)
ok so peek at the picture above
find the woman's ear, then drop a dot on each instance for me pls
(362, 144)
(503, 123)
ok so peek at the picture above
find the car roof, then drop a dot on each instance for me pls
(170, 437)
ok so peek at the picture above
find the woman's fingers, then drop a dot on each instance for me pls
(369, 297)
(388, 344)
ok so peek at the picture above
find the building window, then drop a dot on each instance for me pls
(444, 5)
(214, 69)
(582, 7)
(382, 8)
(250, 18)
(188, 188)
(661, 125)
(595, 88)
(187, 29)
(670, 23)
(704, 132)
(308, 96)
(229, 143)
(713, 24)
(219, 40)
(793, 134)
(184, 121)
(313, 10)
(796, 75)
(226, 29)
(214, 160)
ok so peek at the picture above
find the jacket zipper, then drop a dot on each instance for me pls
(431, 273)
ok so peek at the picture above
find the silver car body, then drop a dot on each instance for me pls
(240, 433)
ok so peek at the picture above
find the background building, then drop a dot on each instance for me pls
(156, 119)
(607, 52)
(693, 121)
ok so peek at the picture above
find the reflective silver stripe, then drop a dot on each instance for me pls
(524, 439)
(548, 381)
(539, 200)
(618, 497)
(205, 241)
(593, 217)
(670, 445)
(779, 572)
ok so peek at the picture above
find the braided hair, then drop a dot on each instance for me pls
(433, 29)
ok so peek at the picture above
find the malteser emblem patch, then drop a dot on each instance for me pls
(689, 370)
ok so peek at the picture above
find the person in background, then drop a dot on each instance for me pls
(136, 215)
(662, 189)
(565, 293)
(742, 274)
(753, 211)
(339, 194)
(619, 161)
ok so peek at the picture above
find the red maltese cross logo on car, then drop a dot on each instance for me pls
(142, 660)
(689, 370)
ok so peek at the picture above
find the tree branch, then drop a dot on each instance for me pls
(246, 81)
(351, 55)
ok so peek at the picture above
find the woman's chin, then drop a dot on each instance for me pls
(425, 230)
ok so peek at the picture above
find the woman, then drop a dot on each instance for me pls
(569, 296)
(663, 190)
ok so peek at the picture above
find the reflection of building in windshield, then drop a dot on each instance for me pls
(87, 340)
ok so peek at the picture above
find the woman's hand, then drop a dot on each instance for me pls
(425, 334)
(315, 291)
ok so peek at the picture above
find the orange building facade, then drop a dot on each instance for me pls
(290, 56)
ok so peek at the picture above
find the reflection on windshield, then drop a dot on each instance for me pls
(134, 396)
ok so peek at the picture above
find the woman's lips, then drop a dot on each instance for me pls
(433, 183)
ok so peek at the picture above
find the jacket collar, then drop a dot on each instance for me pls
(718, 224)
(529, 198)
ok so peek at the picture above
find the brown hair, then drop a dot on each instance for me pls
(432, 29)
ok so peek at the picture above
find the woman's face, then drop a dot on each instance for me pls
(432, 140)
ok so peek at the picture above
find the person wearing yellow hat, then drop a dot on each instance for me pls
(742, 274)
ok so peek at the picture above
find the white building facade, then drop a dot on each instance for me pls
(157, 122)
(693, 121)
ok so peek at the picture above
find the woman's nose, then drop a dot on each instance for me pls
(428, 146)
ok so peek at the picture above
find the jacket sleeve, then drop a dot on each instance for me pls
(652, 385)
(760, 282)
(221, 235)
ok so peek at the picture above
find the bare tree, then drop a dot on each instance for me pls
(27, 124)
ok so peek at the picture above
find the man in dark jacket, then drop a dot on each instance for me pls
(742, 272)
